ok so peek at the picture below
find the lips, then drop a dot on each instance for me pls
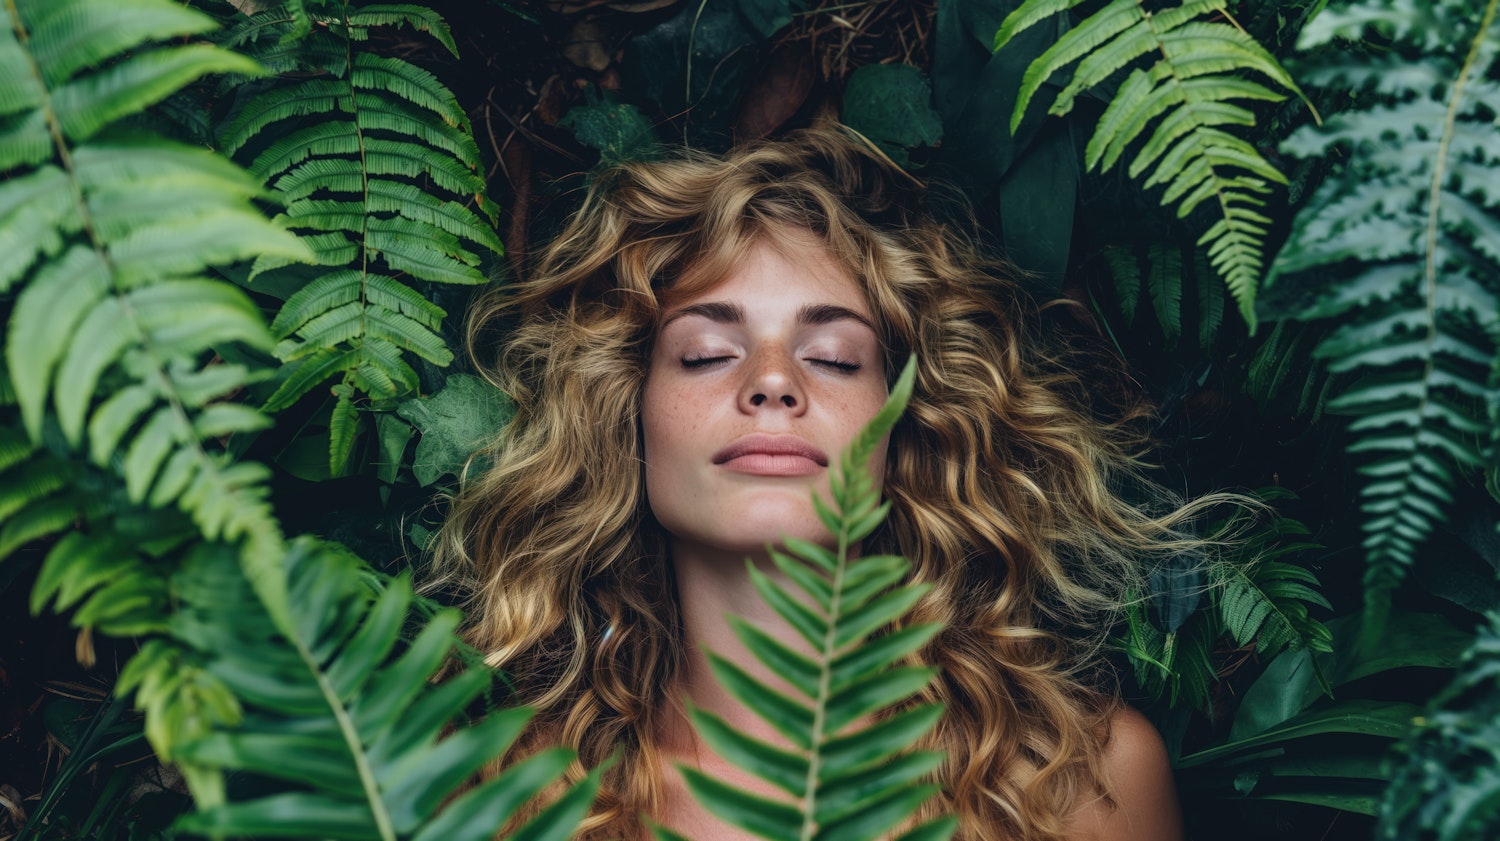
(771, 455)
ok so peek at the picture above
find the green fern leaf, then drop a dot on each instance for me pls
(845, 781)
(87, 104)
(1267, 603)
(341, 719)
(1399, 246)
(71, 35)
(117, 272)
(36, 214)
(1446, 771)
(409, 84)
(1126, 273)
(307, 373)
(1198, 70)
(384, 185)
(1164, 281)
(343, 427)
(1210, 304)
(417, 17)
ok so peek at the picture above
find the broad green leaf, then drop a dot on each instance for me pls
(1391, 719)
(455, 422)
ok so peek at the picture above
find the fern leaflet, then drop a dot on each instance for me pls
(1444, 786)
(1201, 70)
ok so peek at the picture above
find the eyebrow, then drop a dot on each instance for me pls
(723, 312)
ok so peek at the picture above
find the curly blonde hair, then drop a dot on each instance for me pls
(1006, 489)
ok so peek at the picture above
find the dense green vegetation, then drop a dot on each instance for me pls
(236, 239)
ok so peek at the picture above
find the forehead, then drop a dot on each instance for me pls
(791, 269)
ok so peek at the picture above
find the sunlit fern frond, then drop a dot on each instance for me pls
(846, 778)
(1190, 73)
(378, 169)
(106, 236)
(1400, 246)
(343, 718)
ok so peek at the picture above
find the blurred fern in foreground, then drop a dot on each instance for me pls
(846, 781)
(1401, 246)
(346, 719)
(125, 356)
(1447, 783)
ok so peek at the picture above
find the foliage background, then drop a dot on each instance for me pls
(1239, 687)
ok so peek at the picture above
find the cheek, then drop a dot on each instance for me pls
(667, 426)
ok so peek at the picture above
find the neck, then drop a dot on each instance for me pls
(711, 586)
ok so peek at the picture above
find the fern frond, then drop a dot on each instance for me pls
(1177, 296)
(420, 18)
(1266, 602)
(375, 162)
(1125, 270)
(111, 301)
(845, 780)
(1178, 666)
(1199, 69)
(336, 713)
(39, 493)
(1446, 770)
(1164, 282)
(1399, 246)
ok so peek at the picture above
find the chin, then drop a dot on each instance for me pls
(751, 532)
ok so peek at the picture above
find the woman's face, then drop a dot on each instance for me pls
(754, 387)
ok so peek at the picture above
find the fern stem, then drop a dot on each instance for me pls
(383, 823)
(825, 676)
(364, 186)
(1297, 89)
(1439, 170)
(350, 734)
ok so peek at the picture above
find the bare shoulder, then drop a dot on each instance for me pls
(1139, 777)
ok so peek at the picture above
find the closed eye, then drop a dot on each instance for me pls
(704, 361)
(838, 365)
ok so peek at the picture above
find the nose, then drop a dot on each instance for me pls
(772, 381)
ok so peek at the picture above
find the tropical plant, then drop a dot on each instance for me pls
(348, 720)
(1399, 245)
(1305, 733)
(112, 233)
(846, 782)
(1200, 68)
(1164, 280)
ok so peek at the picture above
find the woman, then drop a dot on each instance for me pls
(693, 349)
